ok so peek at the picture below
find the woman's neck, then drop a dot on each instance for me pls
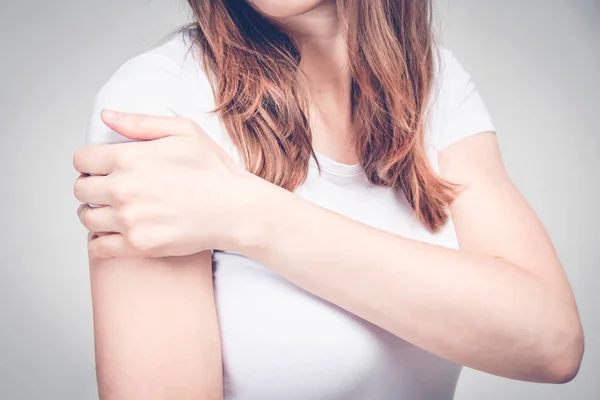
(321, 41)
(325, 66)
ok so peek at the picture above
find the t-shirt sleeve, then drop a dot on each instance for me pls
(464, 111)
(146, 84)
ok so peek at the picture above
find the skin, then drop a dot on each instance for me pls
(501, 304)
(286, 9)
(155, 324)
(155, 328)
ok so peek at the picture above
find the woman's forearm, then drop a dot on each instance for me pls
(477, 310)
(155, 328)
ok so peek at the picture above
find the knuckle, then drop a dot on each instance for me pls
(126, 158)
(122, 161)
(119, 190)
(138, 241)
(128, 217)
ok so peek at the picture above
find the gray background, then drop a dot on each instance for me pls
(535, 62)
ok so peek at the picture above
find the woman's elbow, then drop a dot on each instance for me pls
(564, 360)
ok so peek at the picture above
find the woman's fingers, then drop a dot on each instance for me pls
(149, 127)
(112, 245)
(93, 190)
(95, 159)
(99, 219)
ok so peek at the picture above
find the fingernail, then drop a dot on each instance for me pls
(110, 115)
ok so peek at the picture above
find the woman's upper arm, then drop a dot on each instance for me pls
(155, 328)
(490, 215)
(155, 321)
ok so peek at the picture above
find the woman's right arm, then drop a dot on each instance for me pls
(155, 323)
(155, 328)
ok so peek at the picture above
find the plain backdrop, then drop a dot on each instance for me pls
(536, 64)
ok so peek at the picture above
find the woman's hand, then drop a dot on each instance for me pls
(174, 193)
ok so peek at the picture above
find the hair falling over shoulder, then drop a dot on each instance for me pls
(254, 69)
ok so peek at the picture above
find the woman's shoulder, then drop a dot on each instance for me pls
(165, 80)
(175, 56)
(449, 73)
(168, 73)
(457, 109)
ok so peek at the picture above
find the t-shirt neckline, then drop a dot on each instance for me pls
(335, 167)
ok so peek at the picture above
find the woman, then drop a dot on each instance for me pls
(349, 194)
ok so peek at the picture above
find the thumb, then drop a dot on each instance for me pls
(144, 126)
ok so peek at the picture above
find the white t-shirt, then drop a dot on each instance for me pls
(279, 341)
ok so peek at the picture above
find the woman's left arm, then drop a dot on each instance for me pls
(501, 304)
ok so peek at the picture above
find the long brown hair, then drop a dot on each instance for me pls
(254, 69)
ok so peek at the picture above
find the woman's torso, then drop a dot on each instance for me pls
(279, 341)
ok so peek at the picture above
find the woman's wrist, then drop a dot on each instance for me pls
(265, 212)
(248, 229)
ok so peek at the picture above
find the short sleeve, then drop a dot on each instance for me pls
(462, 108)
(147, 84)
